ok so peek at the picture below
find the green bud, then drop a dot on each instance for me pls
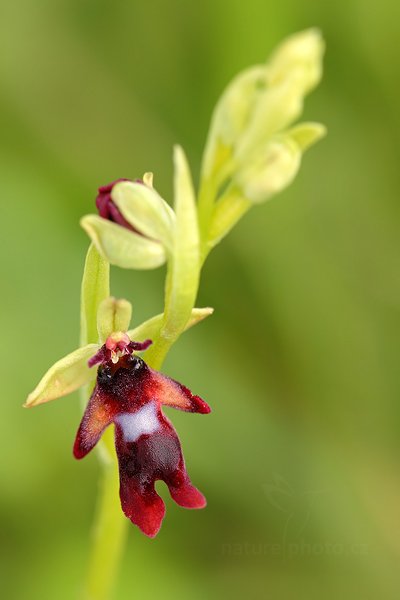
(293, 71)
(260, 102)
(230, 118)
(274, 166)
(270, 171)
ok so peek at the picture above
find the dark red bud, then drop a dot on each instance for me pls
(106, 207)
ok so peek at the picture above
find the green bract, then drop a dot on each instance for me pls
(184, 263)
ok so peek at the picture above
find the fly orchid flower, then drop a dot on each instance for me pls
(129, 394)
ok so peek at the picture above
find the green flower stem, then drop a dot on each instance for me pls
(227, 211)
(109, 531)
(207, 195)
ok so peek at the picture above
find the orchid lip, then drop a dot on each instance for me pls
(130, 394)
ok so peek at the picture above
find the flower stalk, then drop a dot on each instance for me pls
(252, 152)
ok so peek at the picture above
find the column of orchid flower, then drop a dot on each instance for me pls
(252, 153)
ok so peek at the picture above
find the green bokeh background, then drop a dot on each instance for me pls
(300, 457)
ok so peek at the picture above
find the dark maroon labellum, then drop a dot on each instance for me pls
(130, 394)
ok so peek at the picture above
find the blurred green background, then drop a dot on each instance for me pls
(300, 457)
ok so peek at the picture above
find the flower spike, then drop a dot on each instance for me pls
(130, 394)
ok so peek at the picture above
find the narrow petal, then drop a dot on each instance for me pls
(169, 392)
(121, 247)
(64, 377)
(98, 415)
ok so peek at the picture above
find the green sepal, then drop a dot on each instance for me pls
(122, 247)
(145, 210)
(306, 134)
(95, 287)
(65, 376)
(150, 329)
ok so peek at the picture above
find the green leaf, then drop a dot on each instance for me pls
(64, 377)
(122, 247)
(95, 287)
(145, 210)
(150, 329)
(113, 315)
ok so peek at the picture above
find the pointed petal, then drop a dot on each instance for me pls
(64, 377)
(121, 247)
(171, 393)
(98, 415)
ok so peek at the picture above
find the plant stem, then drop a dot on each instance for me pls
(109, 535)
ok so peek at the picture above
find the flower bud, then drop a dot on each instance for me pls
(274, 165)
(260, 102)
